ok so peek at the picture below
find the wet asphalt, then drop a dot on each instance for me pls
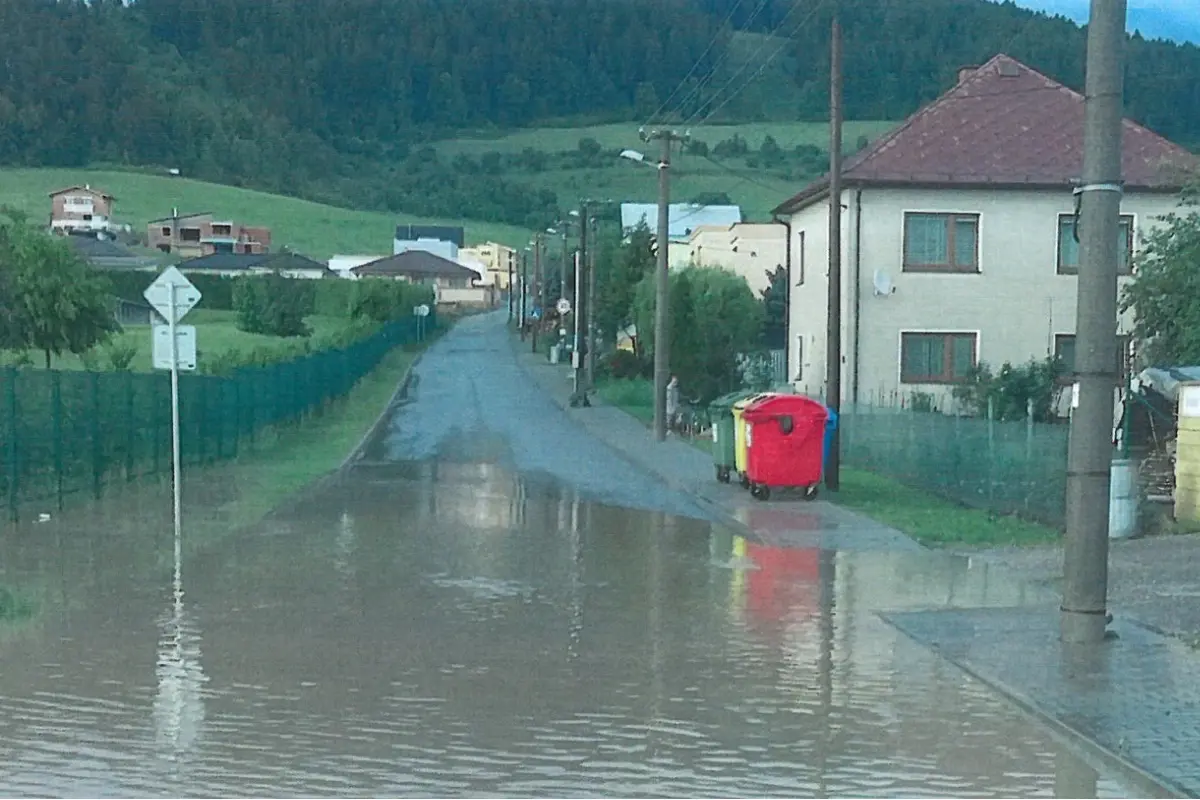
(496, 604)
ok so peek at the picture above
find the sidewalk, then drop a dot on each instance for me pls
(1135, 702)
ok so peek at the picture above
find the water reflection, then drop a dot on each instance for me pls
(382, 640)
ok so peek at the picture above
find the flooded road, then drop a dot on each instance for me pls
(494, 605)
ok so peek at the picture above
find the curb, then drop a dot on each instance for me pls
(397, 397)
(1095, 749)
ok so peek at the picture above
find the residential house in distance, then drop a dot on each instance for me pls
(682, 218)
(343, 265)
(496, 260)
(958, 238)
(453, 284)
(441, 240)
(289, 265)
(195, 235)
(104, 254)
(752, 250)
(81, 209)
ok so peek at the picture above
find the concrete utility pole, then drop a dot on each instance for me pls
(524, 302)
(1089, 459)
(591, 312)
(662, 294)
(537, 287)
(833, 333)
(582, 313)
(510, 289)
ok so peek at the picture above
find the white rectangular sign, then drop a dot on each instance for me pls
(1189, 401)
(185, 343)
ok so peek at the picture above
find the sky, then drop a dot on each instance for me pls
(1178, 20)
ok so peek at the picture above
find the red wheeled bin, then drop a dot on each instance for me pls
(785, 444)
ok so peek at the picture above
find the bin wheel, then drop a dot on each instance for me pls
(760, 491)
(811, 492)
(745, 482)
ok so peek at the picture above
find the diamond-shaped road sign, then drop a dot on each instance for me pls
(158, 294)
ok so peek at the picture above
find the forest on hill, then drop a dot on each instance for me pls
(335, 99)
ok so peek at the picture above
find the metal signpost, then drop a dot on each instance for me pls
(172, 295)
(421, 312)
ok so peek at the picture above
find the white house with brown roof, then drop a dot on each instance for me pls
(957, 237)
(81, 209)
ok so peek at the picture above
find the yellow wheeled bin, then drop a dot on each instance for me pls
(739, 434)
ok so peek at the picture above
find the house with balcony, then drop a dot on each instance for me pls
(81, 209)
(752, 250)
(496, 261)
(959, 238)
(201, 234)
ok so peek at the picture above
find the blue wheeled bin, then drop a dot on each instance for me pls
(831, 423)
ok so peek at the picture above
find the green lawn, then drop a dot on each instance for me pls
(316, 230)
(925, 517)
(216, 333)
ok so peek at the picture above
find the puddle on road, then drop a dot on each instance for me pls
(454, 629)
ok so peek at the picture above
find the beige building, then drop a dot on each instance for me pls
(496, 260)
(751, 249)
(958, 238)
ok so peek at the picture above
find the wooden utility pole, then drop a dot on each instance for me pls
(510, 288)
(833, 332)
(1089, 456)
(662, 293)
(524, 301)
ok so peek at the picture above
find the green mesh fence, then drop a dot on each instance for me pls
(68, 432)
(1005, 467)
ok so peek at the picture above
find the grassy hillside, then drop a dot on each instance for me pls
(757, 189)
(315, 230)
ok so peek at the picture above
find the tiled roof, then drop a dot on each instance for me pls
(182, 216)
(1006, 125)
(84, 188)
(91, 247)
(227, 262)
(416, 263)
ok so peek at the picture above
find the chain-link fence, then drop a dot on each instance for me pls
(1005, 467)
(69, 432)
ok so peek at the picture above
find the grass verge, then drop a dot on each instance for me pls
(927, 518)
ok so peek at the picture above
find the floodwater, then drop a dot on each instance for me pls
(493, 604)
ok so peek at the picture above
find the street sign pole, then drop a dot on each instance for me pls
(175, 456)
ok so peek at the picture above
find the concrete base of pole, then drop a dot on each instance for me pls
(1083, 628)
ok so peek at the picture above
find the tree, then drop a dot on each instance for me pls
(620, 267)
(774, 300)
(52, 301)
(1165, 295)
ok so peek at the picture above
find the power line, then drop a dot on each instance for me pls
(787, 41)
(699, 61)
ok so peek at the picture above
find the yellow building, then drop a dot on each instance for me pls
(496, 260)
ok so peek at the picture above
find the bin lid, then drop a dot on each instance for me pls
(752, 399)
(726, 401)
(796, 405)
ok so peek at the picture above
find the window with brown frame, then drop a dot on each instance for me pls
(1068, 248)
(1064, 349)
(941, 242)
(937, 357)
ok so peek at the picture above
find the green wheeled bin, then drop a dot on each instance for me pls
(724, 446)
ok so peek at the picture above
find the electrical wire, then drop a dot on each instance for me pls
(783, 45)
(699, 61)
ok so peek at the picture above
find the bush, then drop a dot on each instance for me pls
(121, 355)
(272, 305)
(623, 364)
(1010, 391)
(216, 290)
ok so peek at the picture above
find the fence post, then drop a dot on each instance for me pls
(56, 411)
(236, 385)
(130, 437)
(97, 445)
(14, 442)
(1029, 430)
(991, 452)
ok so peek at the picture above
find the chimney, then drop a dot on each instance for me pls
(966, 72)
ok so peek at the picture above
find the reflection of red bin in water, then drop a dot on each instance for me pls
(785, 438)
(786, 583)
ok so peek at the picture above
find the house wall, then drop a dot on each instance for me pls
(1015, 304)
(494, 258)
(190, 237)
(751, 250)
(68, 210)
(476, 296)
(343, 264)
(439, 247)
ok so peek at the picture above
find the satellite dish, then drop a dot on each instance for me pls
(883, 283)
